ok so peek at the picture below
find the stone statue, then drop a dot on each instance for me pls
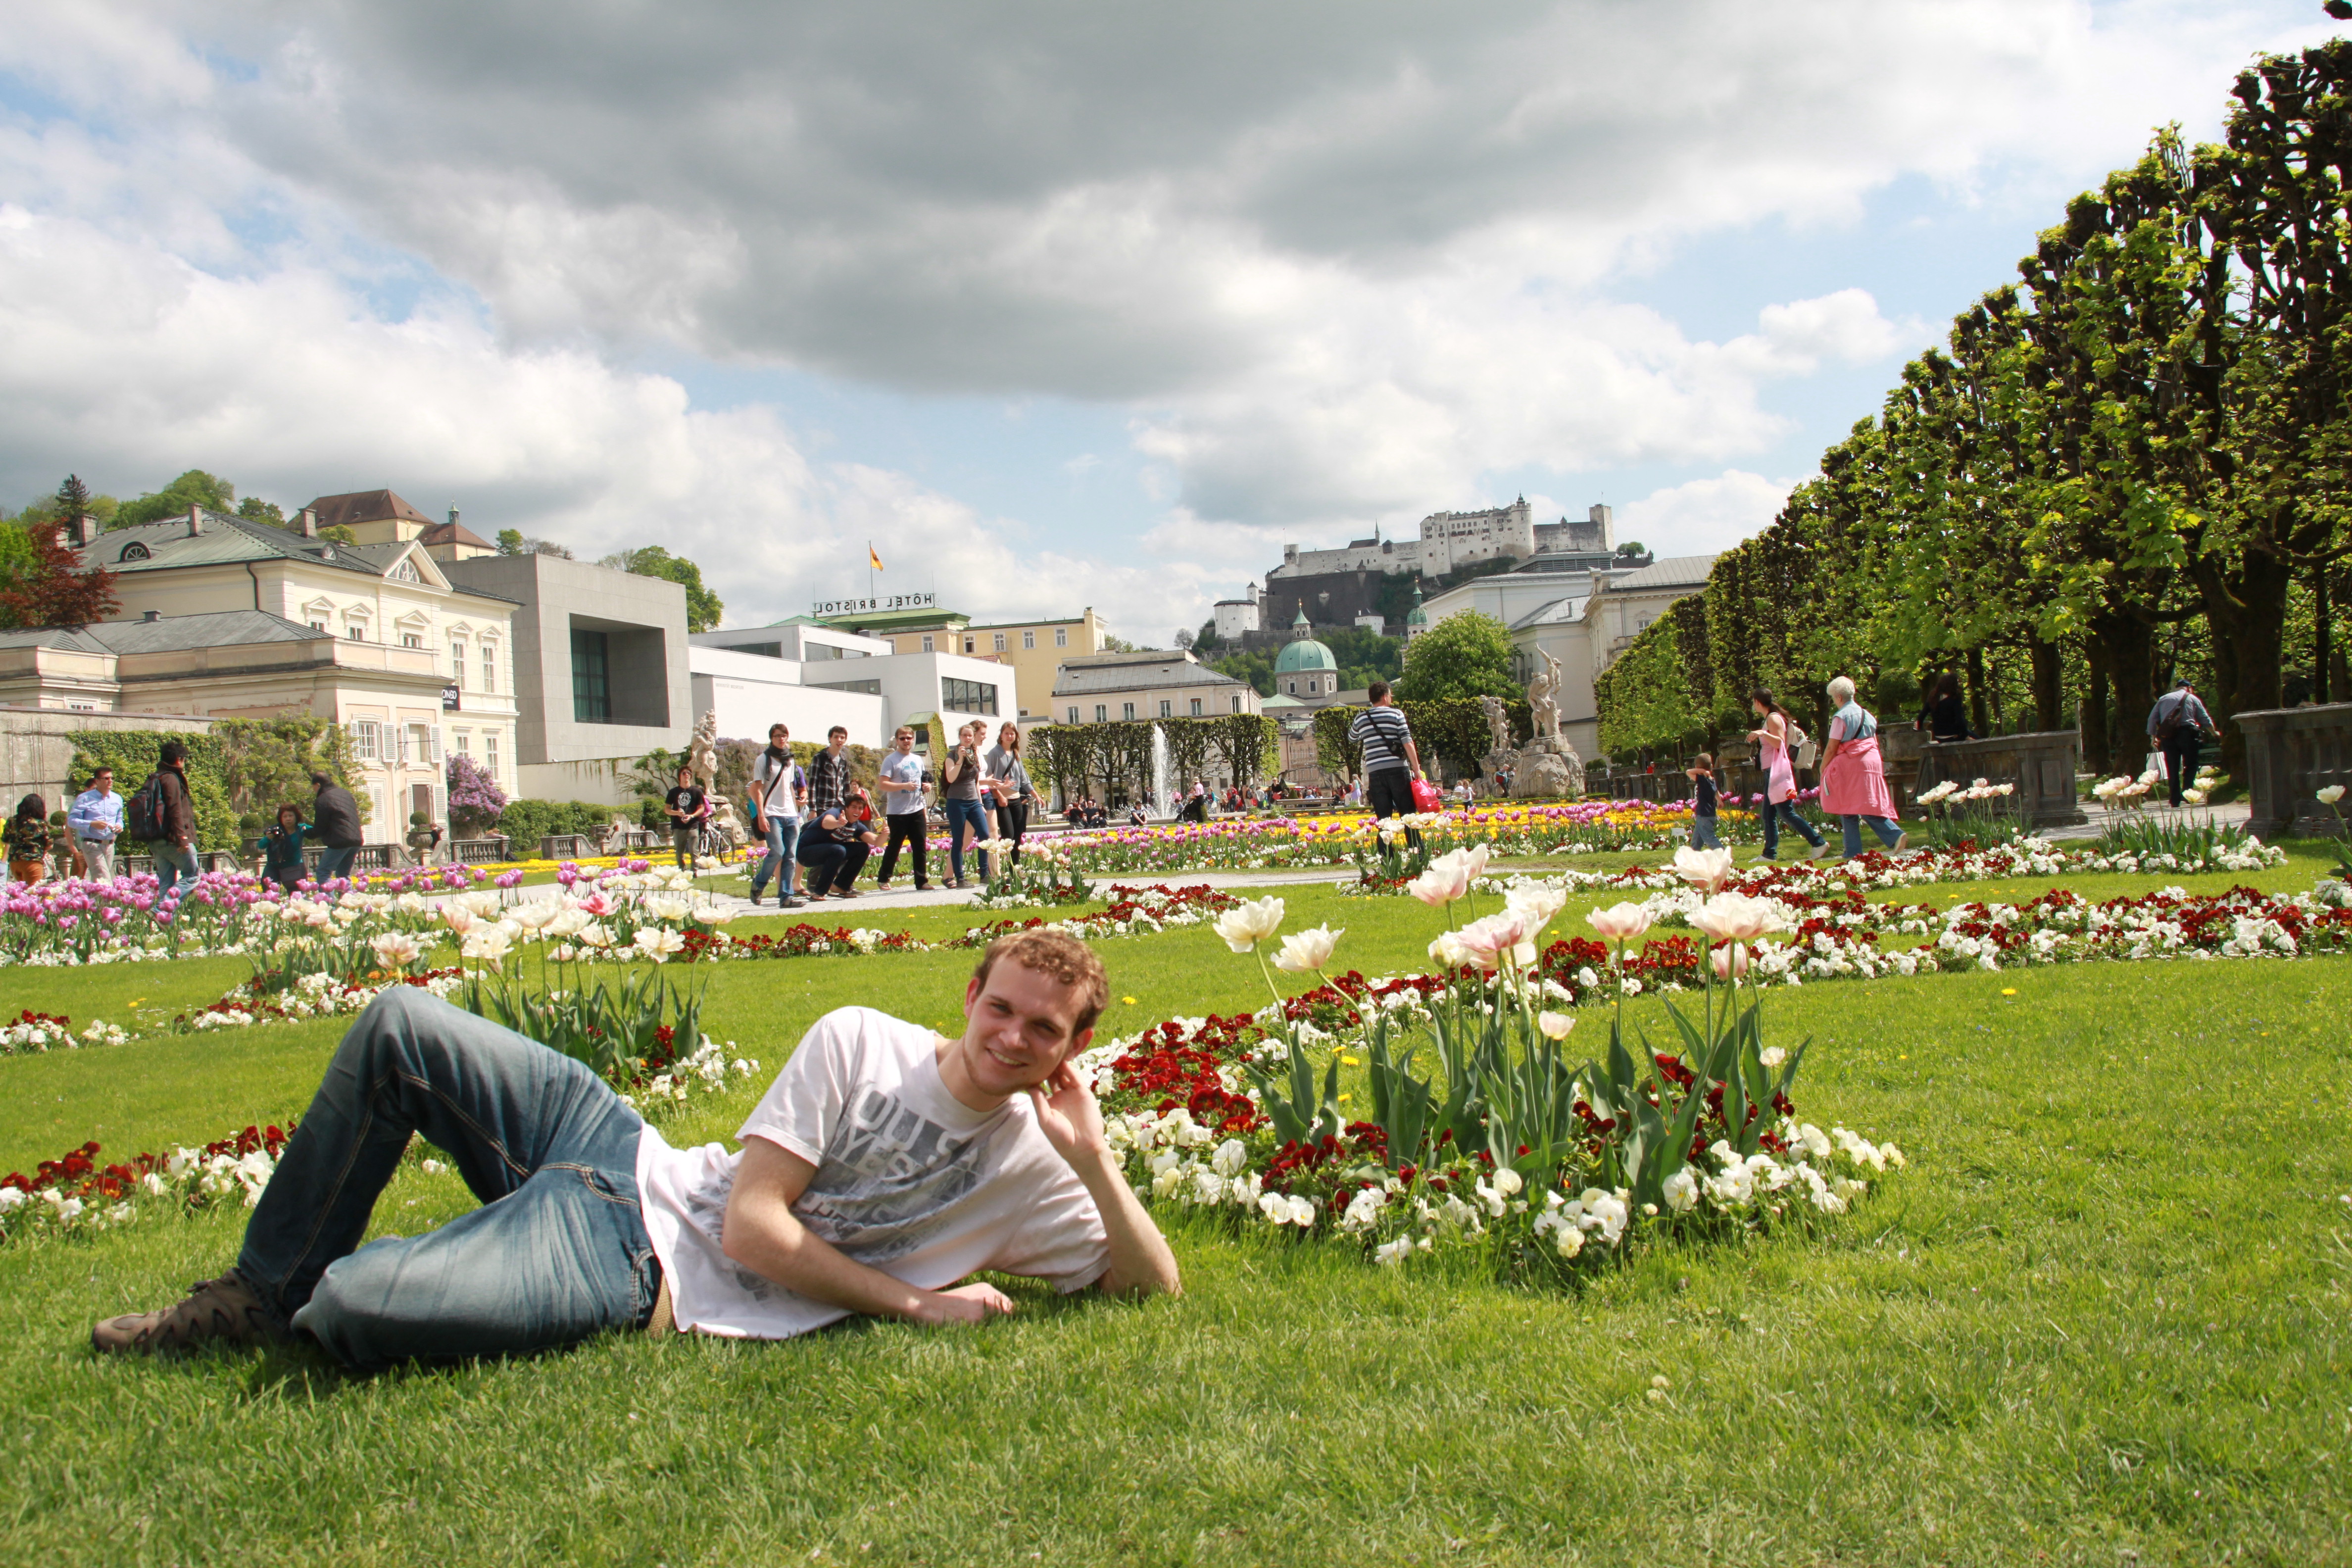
(1543, 698)
(702, 756)
(1498, 725)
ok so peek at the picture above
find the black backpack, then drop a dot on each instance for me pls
(143, 818)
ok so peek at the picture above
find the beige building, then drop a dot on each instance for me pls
(1582, 617)
(1105, 687)
(1034, 650)
(380, 517)
(231, 617)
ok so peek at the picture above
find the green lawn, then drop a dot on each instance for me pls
(2102, 1319)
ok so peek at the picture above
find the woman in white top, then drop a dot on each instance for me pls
(1773, 740)
(1014, 794)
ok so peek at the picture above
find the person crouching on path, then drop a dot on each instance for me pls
(884, 1167)
(1854, 775)
(834, 845)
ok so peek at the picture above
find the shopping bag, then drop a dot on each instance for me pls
(1425, 796)
(2156, 764)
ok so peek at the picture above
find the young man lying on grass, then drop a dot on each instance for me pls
(885, 1164)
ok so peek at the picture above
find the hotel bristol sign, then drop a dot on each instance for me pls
(868, 605)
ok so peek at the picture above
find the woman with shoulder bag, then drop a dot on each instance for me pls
(1773, 742)
(963, 772)
(1014, 794)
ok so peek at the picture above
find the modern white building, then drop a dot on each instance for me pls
(811, 676)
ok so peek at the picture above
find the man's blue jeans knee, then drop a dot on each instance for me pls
(558, 1251)
(334, 862)
(784, 837)
(173, 864)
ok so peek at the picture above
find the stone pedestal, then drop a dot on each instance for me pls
(2040, 764)
(2293, 753)
(1545, 767)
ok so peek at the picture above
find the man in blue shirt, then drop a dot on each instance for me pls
(95, 819)
(2177, 726)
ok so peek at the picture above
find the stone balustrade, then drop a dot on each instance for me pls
(2040, 765)
(2292, 753)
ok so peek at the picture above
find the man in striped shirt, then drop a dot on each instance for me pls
(1392, 760)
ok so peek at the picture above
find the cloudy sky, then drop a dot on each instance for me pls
(1056, 304)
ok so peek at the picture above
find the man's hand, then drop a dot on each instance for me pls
(974, 1303)
(1070, 1119)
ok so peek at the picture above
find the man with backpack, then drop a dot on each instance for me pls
(162, 814)
(2176, 727)
(337, 818)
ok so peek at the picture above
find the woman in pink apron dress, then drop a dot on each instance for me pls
(1780, 777)
(1853, 777)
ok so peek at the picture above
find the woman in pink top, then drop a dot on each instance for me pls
(1772, 743)
(1853, 777)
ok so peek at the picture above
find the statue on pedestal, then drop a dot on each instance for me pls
(702, 756)
(1547, 765)
(1543, 698)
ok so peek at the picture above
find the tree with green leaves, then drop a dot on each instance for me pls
(1465, 655)
(703, 607)
(195, 488)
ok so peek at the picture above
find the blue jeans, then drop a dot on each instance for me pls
(1703, 833)
(960, 813)
(558, 1251)
(173, 864)
(334, 862)
(784, 834)
(1889, 831)
(1786, 811)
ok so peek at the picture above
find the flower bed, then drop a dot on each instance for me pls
(75, 1193)
(1544, 1169)
(1251, 843)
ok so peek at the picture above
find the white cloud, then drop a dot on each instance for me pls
(139, 365)
(1335, 269)
(1703, 517)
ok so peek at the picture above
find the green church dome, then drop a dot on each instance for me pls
(1304, 656)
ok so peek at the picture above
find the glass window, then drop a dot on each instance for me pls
(464, 743)
(1100, 712)
(1028, 639)
(972, 645)
(927, 642)
(1237, 704)
(1196, 708)
(457, 662)
(490, 668)
(1061, 637)
(1127, 709)
(1293, 688)
(966, 696)
(1074, 715)
(354, 632)
(999, 642)
(490, 752)
(317, 625)
(366, 738)
(592, 690)
(1167, 709)
(411, 639)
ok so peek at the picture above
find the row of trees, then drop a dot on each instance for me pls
(1088, 759)
(2137, 458)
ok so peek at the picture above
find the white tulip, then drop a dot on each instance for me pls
(1619, 921)
(1705, 869)
(1734, 916)
(2331, 794)
(1307, 950)
(1243, 928)
(1555, 1026)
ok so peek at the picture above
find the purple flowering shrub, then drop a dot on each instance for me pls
(476, 800)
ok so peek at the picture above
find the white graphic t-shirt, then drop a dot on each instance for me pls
(909, 1180)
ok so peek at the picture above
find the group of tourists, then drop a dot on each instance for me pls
(819, 820)
(99, 820)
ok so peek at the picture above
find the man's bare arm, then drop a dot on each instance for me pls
(1142, 1262)
(763, 1235)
